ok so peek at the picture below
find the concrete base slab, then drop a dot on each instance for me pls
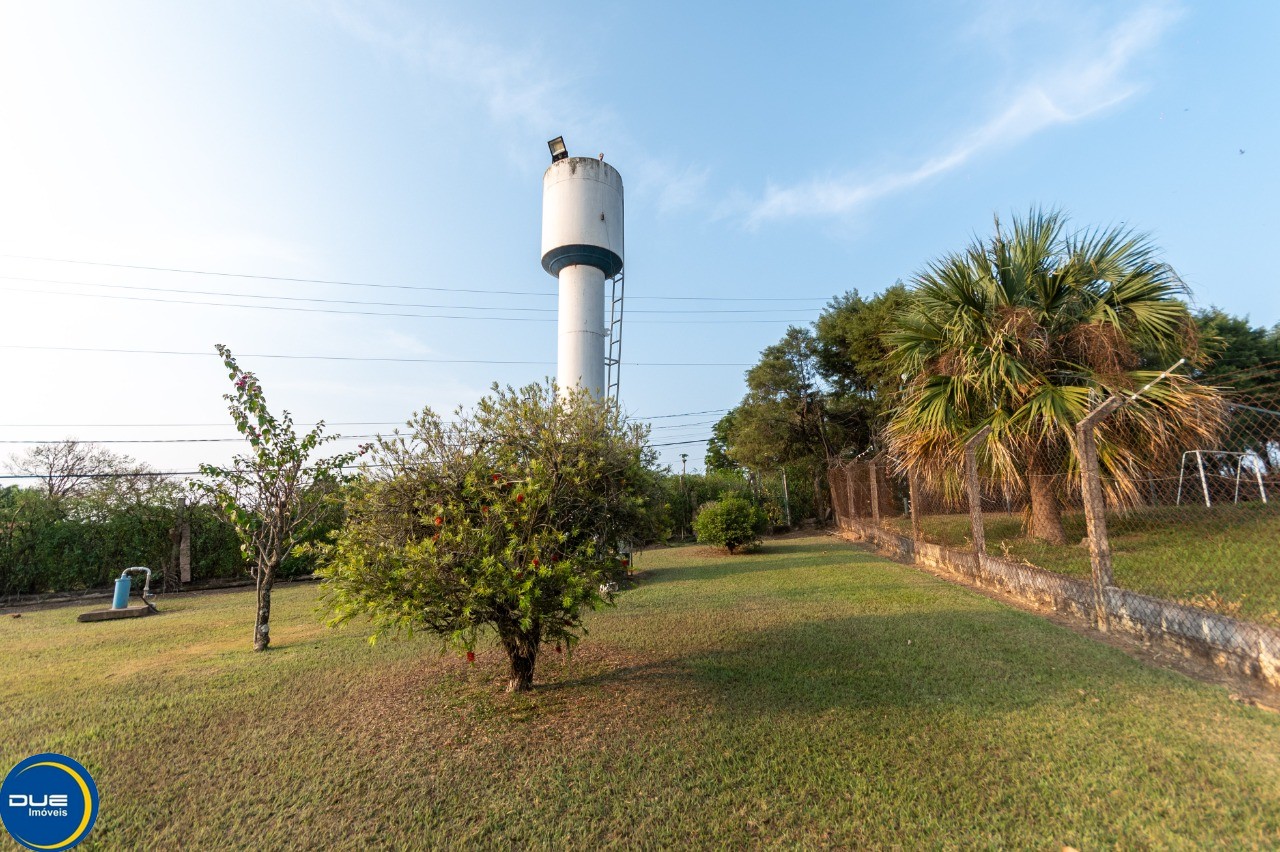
(113, 614)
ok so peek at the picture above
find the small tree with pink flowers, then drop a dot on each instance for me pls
(274, 493)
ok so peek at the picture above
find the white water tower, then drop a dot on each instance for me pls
(582, 247)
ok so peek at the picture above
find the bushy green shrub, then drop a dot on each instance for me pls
(730, 522)
(507, 519)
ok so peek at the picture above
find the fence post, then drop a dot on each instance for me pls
(848, 478)
(835, 480)
(184, 546)
(974, 486)
(1095, 506)
(913, 491)
(875, 494)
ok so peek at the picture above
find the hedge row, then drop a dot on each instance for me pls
(46, 546)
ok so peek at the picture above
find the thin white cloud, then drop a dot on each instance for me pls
(683, 190)
(670, 185)
(519, 94)
(512, 83)
(1072, 92)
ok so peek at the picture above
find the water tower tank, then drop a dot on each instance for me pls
(582, 246)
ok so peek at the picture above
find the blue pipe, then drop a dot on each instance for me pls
(123, 586)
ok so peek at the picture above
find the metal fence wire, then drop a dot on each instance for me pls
(1194, 521)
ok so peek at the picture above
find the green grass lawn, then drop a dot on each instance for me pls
(1225, 558)
(808, 695)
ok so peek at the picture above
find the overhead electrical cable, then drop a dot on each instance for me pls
(681, 443)
(26, 441)
(154, 473)
(234, 439)
(675, 436)
(179, 425)
(346, 312)
(687, 414)
(683, 425)
(326, 423)
(163, 440)
(339, 283)
(387, 359)
(260, 296)
(285, 278)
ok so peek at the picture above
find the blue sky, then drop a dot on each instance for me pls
(767, 152)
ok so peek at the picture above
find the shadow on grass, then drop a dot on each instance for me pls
(973, 659)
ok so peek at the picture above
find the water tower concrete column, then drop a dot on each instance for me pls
(580, 321)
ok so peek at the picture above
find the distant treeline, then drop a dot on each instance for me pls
(56, 539)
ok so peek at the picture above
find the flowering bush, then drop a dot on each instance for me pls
(508, 518)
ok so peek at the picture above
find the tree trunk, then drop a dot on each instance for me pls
(262, 626)
(1046, 510)
(522, 653)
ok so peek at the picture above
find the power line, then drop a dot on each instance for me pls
(180, 425)
(281, 298)
(684, 425)
(388, 359)
(158, 473)
(344, 312)
(687, 414)
(161, 440)
(281, 277)
(104, 475)
(680, 436)
(327, 423)
(259, 296)
(229, 440)
(339, 283)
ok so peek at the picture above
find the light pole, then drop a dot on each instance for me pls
(684, 460)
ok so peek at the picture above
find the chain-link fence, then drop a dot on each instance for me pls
(1201, 524)
(1190, 519)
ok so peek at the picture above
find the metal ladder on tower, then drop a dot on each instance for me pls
(613, 360)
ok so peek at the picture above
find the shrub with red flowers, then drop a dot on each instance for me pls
(509, 518)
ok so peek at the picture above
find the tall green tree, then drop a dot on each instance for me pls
(1241, 356)
(511, 518)
(850, 350)
(1244, 360)
(1026, 332)
(783, 418)
(717, 457)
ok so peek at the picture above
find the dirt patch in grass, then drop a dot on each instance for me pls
(597, 693)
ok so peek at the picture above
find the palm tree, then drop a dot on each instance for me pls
(1026, 332)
